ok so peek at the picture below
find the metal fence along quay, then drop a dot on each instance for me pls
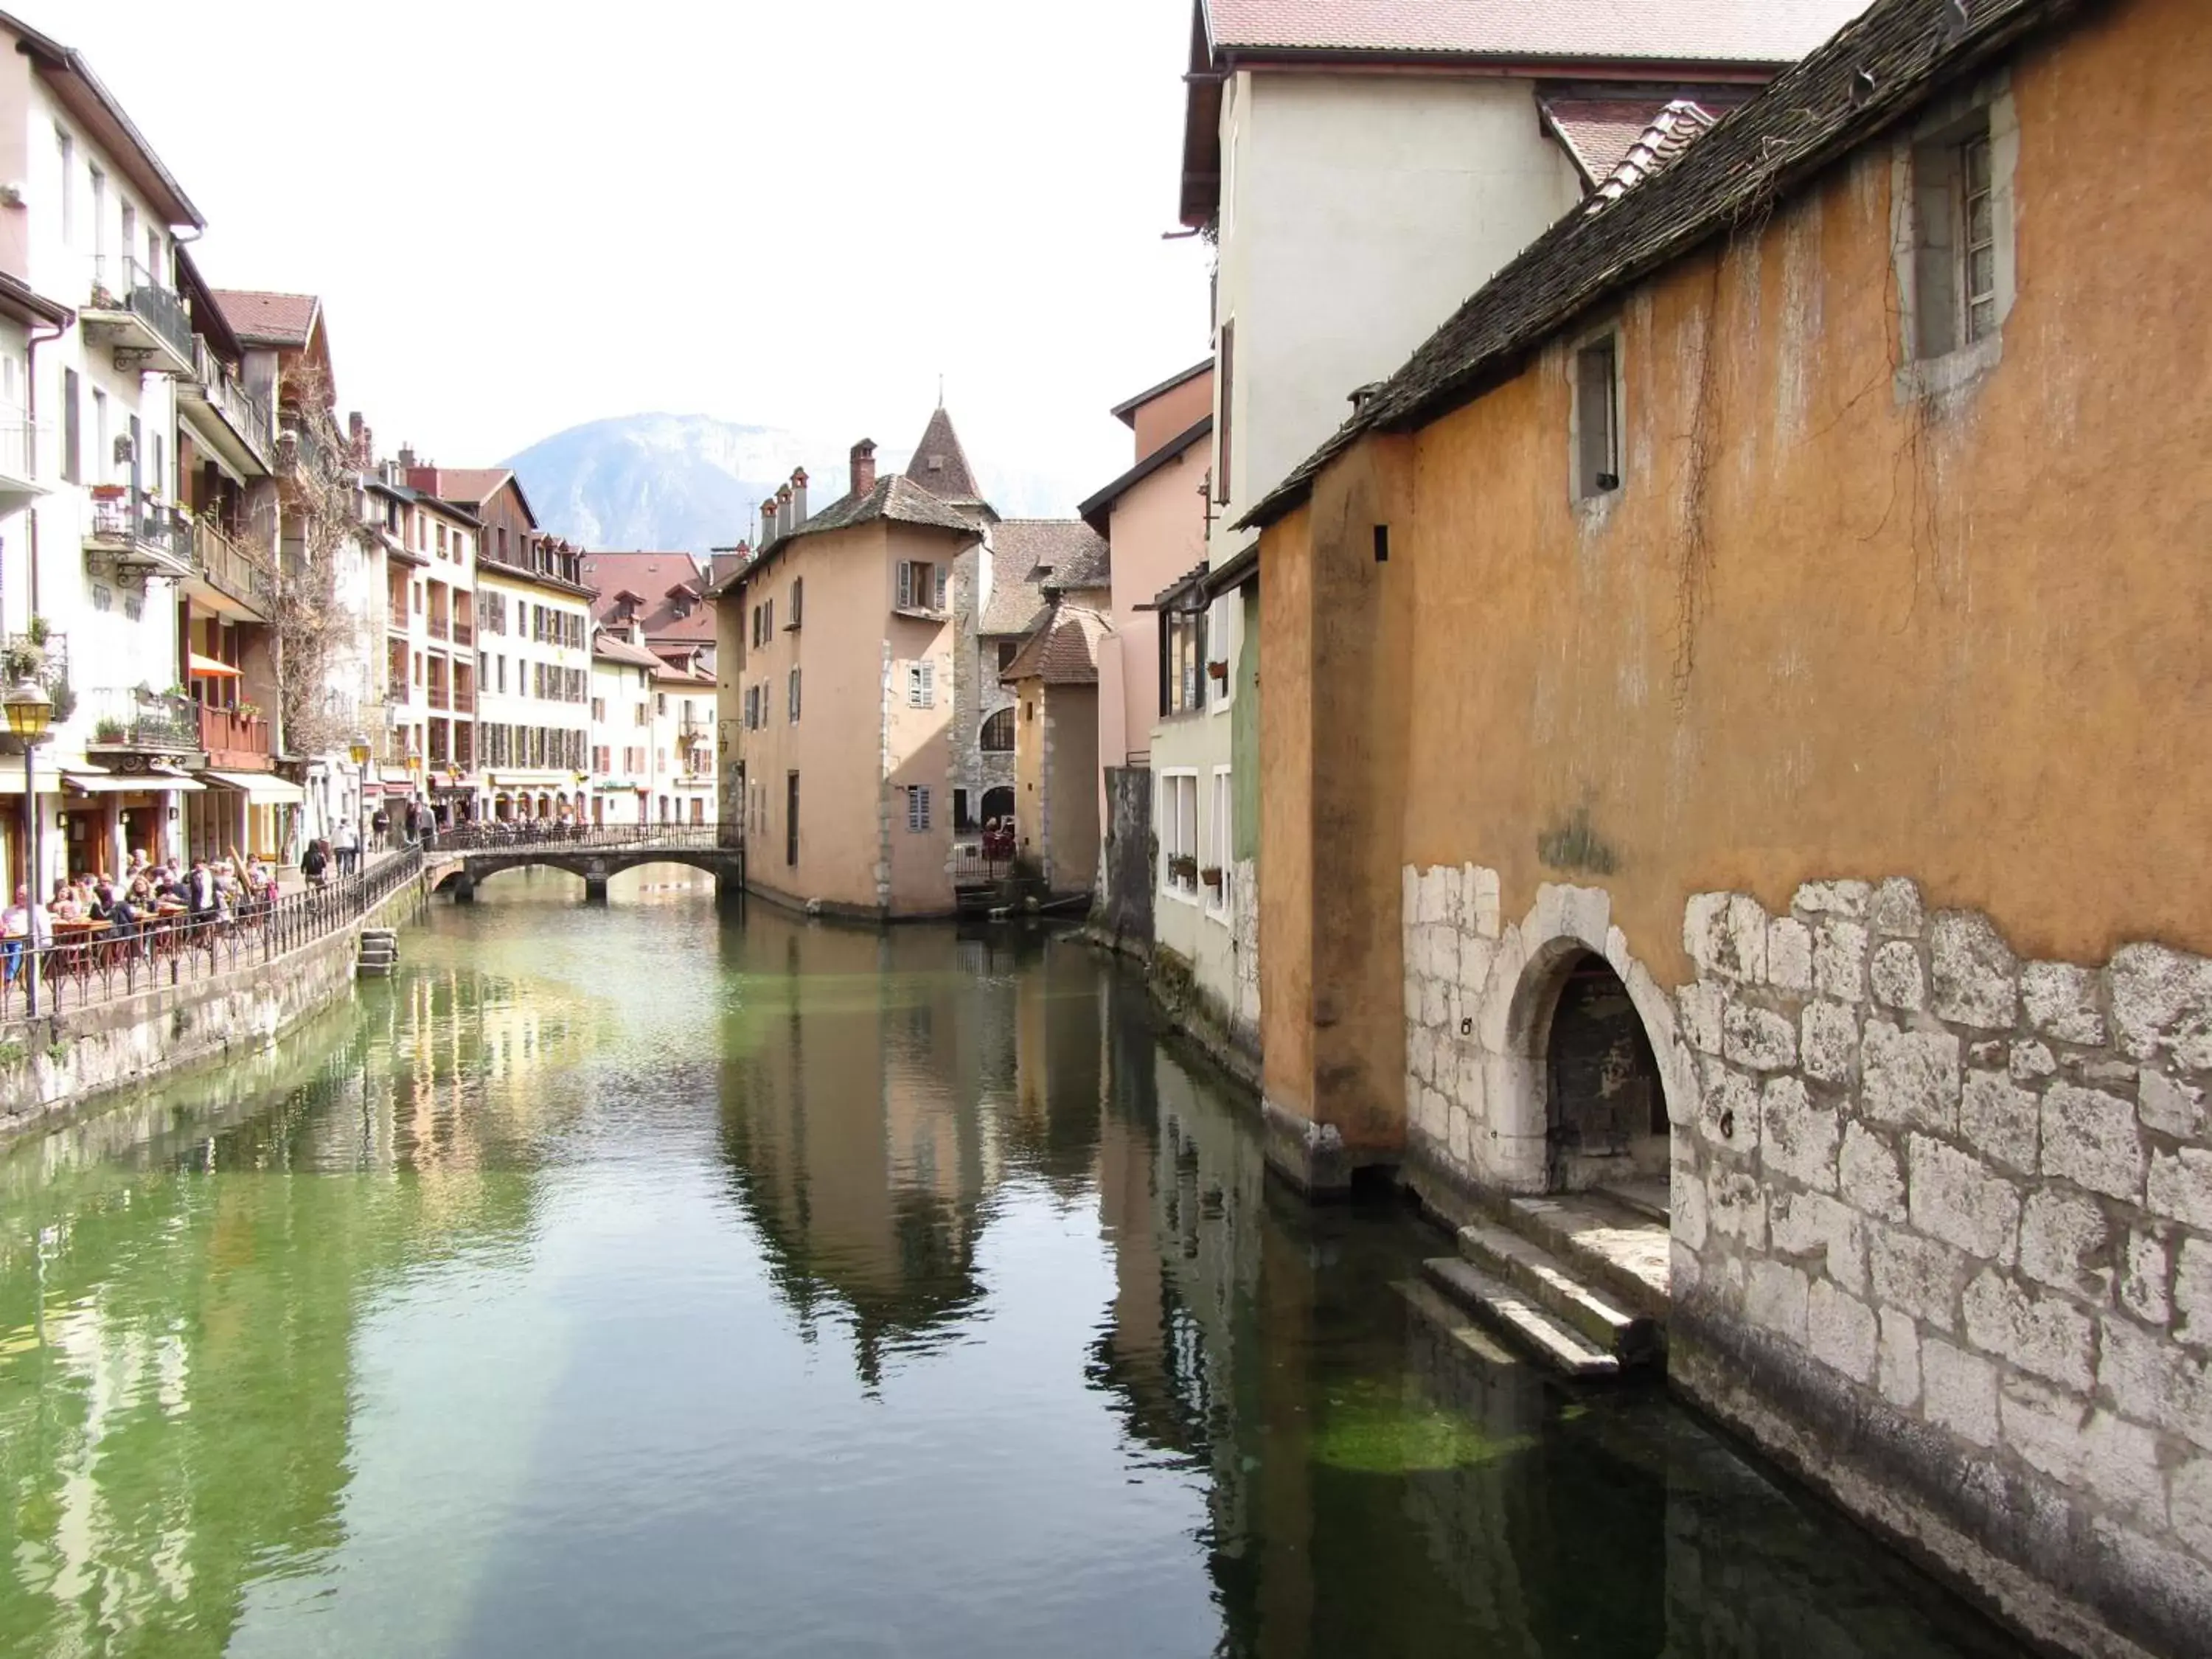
(90, 963)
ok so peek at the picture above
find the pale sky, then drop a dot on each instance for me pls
(524, 218)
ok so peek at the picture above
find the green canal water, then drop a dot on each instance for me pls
(640, 1281)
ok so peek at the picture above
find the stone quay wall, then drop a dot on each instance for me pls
(81, 1057)
(1942, 1238)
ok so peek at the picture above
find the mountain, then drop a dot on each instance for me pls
(691, 482)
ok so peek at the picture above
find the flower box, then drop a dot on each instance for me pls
(1219, 669)
(1212, 877)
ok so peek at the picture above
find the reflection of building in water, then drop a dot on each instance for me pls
(177, 1341)
(1052, 1126)
(860, 1078)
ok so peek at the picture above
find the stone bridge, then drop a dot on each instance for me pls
(461, 858)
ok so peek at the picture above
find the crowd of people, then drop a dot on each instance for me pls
(125, 908)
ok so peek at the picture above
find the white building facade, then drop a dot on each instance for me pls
(534, 675)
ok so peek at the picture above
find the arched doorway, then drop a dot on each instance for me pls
(998, 803)
(1605, 1105)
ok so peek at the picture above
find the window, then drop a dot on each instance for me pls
(1960, 279)
(1178, 834)
(72, 428)
(998, 733)
(920, 584)
(599, 709)
(963, 818)
(790, 819)
(100, 228)
(1218, 895)
(103, 457)
(1008, 650)
(442, 541)
(797, 600)
(67, 145)
(794, 696)
(1597, 418)
(1183, 662)
(130, 242)
(660, 702)
(1227, 353)
(922, 685)
(917, 808)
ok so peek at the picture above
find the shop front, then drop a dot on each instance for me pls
(254, 813)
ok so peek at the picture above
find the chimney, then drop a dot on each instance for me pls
(768, 522)
(864, 466)
(797, 497)
(407, 457)
(357, 438)
(786, 521)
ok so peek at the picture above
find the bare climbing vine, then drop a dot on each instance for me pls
(311, 629)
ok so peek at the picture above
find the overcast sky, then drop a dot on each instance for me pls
(520, 218)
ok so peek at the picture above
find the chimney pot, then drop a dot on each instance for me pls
(407, 457)
(797, 487)
(864, 466)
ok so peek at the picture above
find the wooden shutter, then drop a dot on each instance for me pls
(905, 586)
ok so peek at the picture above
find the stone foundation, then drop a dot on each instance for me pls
(1955, 1210)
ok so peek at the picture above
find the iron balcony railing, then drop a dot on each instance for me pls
(464, 633)
(70, 966)
(131, 287)
(144, 524)
(163, 721)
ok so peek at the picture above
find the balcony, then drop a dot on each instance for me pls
(464, 700)
(19, 465)
(438, 698)
(141, 534)
(141, 723)
(241, 426)
(464, 633)
(226, 579)
(234, 741)
(142, 323)
(438, 629)
(298, 450)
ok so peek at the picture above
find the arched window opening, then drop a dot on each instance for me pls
(998, 733)
(1606, 1108)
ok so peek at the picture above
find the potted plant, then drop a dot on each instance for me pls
(109, 492)
(107, 731)
(1212, 877)
(1183, 867)
(1218, 668)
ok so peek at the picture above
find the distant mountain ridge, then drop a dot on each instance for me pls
(690, 483)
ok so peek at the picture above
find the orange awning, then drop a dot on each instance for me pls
(208, 668)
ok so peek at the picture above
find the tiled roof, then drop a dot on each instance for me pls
(1028, 556)
(1658, 147)
(1676, 31)
(940, 464)
(896, 499)
(1875, 73)
(1062, 651)
(1599, 132)
(269, 320)
(615, 648)
(657, 580)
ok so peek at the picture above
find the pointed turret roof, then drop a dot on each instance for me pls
(940, 466)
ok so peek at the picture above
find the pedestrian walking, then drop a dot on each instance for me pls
(380, 827)
(346, 843)
(315, 864)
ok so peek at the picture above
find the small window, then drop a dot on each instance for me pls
(1008, 650)
(798, 601)
(920, 584)
(917, 808)
(998, 733)
(794, 696)
(1223, 420)
(1961, 252)
(921, 685)
(963, 818)
(1597, 414)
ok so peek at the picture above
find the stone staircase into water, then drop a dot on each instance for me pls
(1579, 1279)
(379, 953)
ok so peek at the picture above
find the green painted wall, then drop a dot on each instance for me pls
(1244, 731)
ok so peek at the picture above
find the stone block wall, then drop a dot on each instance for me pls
(1942, 1235)
(1244, 955)
(1127, 860)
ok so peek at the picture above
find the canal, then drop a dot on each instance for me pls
(637, 1280)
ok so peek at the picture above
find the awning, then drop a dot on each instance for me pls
(261, 788)
(208, 668)
(155, 783)
(101, 783)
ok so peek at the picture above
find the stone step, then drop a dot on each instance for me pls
(374, 970)
(1511, 1311)
(1453, 1321)
(1649, 1199)
(1613, 1249)
(1630, 1337)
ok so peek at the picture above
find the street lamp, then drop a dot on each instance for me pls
(30, 711)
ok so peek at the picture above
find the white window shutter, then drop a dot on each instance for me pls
(905, 586)
(941, 586)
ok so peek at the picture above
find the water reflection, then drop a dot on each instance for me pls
(629, 1280)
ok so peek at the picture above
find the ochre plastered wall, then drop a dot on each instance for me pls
(1820, 630)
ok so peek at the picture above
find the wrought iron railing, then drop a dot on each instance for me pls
(72, 966)
(142, 523)
(507, 837)
(126, 718)
(248, 416)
